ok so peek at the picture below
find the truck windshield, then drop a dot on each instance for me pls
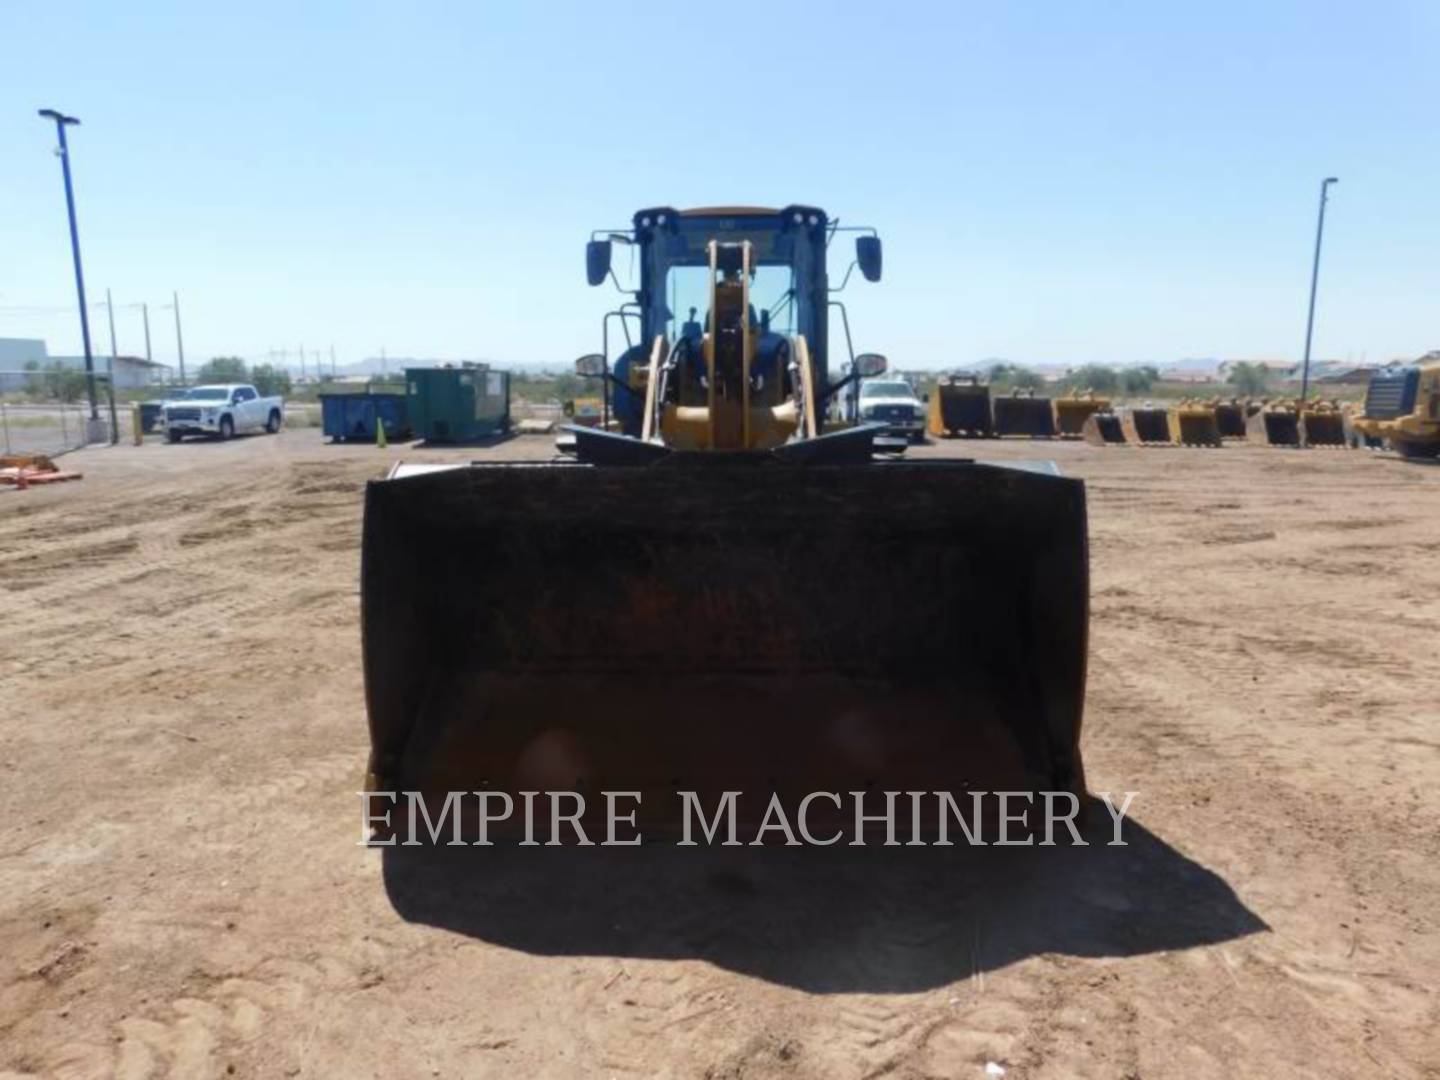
(886, 389)
(206, 393)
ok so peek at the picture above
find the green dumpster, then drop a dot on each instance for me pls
(458, 404)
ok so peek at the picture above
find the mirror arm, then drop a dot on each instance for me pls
(846, 279)
(835, 387)
(618, 287)
(845, 321)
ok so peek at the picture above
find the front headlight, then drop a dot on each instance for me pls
(209, 414)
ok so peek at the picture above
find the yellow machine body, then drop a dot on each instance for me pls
(1411, 426)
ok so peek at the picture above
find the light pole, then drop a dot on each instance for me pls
(61, 123)
(1314, 279)
(179, 341)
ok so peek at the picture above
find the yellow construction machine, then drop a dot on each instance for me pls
(1073, 409)
(723, 595)
(1402, 408)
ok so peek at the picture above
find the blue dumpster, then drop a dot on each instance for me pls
(353, 416)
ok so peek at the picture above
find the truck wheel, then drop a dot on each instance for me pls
(172, 435)
(227, 427)
(272, 425)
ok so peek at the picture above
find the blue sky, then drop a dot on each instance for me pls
(1115, 182)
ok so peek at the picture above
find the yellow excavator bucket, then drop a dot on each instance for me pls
(960, 406)
(716, 622)
(1193, 424)
(1102, 428)
(1322, 423)
(1072, 411)
(1229, 419)
(1149, 426)
(1022, 413)
(1274, 424)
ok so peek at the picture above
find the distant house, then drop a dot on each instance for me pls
(1354, 375)
(131, 372)
(15, 355)
(1282, 368)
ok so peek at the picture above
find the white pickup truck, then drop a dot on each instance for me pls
(220, 410)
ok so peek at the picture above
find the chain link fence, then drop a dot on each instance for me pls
(45, 428)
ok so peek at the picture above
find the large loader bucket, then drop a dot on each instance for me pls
(1322, 427)
(1230, 419)
(709, 624)
(1194, 425)
(960, 409)
(1274, 427)
(1071, 414)
(1031, 416)
(1101, 428)
(1152, 426)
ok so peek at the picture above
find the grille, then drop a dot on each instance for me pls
(182, 414)
(1392, 394)
(894, 412)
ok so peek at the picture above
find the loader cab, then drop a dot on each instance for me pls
(788, 286)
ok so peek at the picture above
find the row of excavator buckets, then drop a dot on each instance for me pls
(963, 406)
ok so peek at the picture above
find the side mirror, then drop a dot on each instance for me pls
(591, 365)
(867, 254)
(597, 261)
(870, 364)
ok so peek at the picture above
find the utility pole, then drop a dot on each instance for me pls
(179, 341)
(384, 364)
(145, 314)
(61, 123)
(114, 420)
(302, 363)
(333, 372)
(1314, 280)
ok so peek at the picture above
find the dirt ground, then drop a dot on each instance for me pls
(182, 734)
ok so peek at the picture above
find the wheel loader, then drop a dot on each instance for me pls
(723, 595)
(1402, 407)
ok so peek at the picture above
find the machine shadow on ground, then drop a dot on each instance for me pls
(826, 920)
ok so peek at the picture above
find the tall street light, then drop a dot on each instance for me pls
(61, 123)
(1314, 279)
